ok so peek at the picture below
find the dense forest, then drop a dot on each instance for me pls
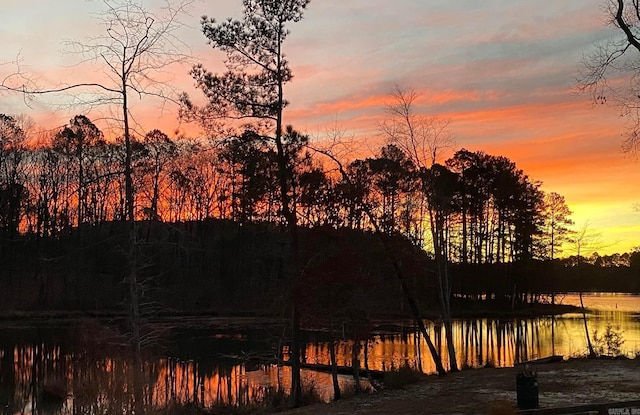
(211, 231)
(492, 212)
(223, 267)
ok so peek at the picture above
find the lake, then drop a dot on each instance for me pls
(82, 367)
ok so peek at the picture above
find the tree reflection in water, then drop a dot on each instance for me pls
(88, 369)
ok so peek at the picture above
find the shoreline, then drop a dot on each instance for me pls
(479, 310)
(572, 382)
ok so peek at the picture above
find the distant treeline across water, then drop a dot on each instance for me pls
(221, 266)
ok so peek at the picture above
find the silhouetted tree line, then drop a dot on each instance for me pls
(226, 267)
(54, 182)
(518, 282)
(63, 199)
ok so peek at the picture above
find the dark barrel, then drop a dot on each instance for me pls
(527, 391)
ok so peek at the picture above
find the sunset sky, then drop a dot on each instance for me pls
(501, 70)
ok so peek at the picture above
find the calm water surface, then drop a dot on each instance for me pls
(85, 367)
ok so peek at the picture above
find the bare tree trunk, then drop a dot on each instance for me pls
(553, 335)
(580, 240)
(334, 364)
(355, 364)
(289, 214)
(128, 173)
(446, 317)
(366, 365)
(592, 352)
(134, 321)
(437, 230)
(134, 294)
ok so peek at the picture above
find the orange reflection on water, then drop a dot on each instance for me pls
(94, 380)
(497, 342)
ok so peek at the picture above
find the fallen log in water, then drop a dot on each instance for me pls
(543, 360)
(343, 370)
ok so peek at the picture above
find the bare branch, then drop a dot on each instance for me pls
(135, 47)
(611, 73)
(334, 143)
(622, 24)
(24, 89)
(421, 138)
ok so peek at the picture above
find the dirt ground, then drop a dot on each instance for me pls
(493, 391)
